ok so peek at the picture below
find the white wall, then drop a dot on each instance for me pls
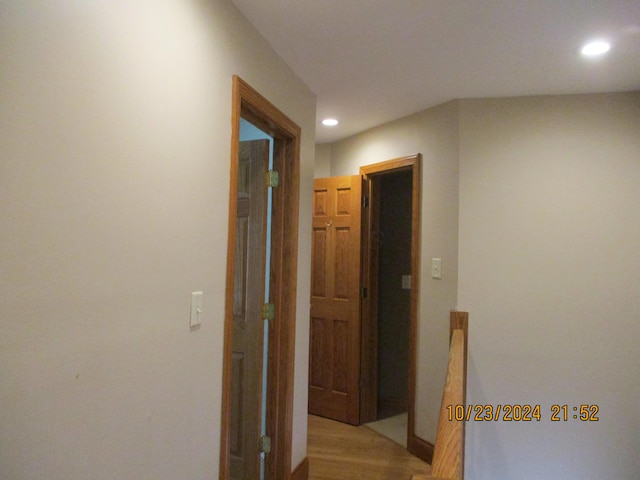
(434, 133)
(549, 269)
(550, 273)
(322, 165)
(114, 159)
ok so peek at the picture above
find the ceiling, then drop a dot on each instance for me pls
(373, 61)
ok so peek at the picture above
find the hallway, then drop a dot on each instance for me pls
(338, 451)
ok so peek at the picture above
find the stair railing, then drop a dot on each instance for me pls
(448, 454)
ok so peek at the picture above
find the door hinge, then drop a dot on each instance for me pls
(268, 311)
(264, 444)
(272, 179)
(365, 201)
(363, 292)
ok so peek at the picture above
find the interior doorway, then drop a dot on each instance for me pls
(355, 283)
(257, 388)
(394, 289)
(391, 276)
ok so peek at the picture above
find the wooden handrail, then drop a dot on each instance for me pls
(448, 454)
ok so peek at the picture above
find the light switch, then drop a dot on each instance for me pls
(196, 309)
(406, 282)
(436, 268)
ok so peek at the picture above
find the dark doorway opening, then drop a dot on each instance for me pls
(394, 292)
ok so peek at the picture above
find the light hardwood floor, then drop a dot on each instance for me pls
(337, 451)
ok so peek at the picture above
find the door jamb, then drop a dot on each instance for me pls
(413, 163)
(249, 104)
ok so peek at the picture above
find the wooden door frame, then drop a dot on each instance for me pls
(369, 331)
(247, 103)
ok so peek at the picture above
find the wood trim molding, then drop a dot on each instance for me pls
(415, 289)
(225, 420)
(413, 163)
(421, 449)
(249, 104)
(301, 472)
(369, 307)
(283, 285)
(393, 164)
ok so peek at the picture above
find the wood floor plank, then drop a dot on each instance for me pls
(338, 451)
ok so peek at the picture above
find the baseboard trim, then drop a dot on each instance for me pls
(421, 449)
(301, 472)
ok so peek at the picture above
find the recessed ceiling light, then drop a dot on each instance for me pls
(330, 122)
(595, 48)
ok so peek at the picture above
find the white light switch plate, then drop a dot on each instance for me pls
(436, 268)
(196, 309)
(406, 282)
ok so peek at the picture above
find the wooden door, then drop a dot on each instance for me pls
(248, 298)
(334, 360)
